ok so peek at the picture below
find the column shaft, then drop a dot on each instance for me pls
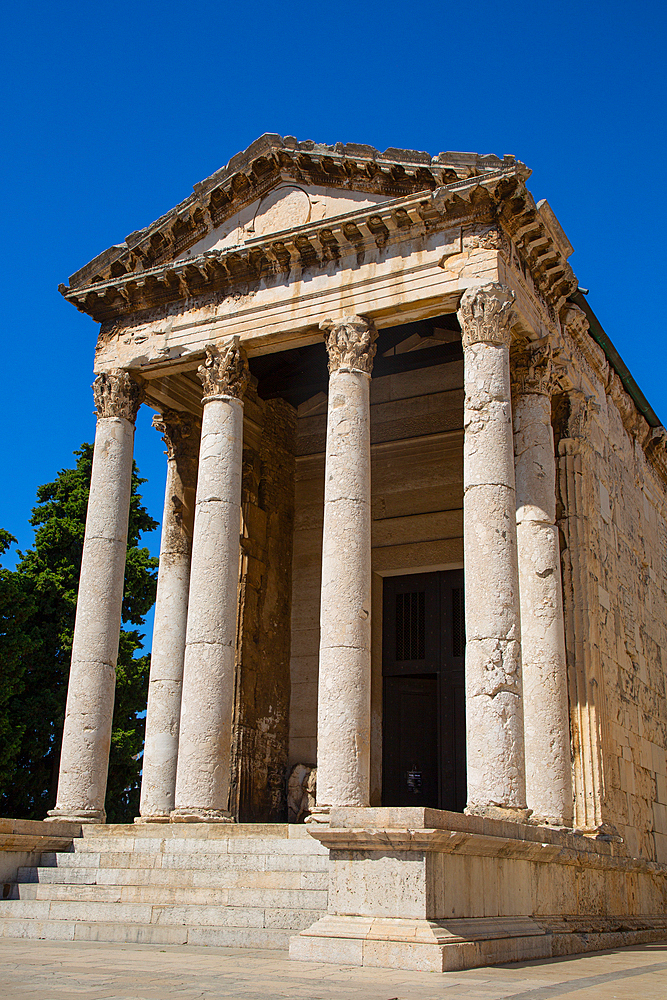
(158, 782)
(84, 758)
(344, 689)
(202, 779)
(494, 711)
(545, 704)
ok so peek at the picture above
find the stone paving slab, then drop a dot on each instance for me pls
(51, 970)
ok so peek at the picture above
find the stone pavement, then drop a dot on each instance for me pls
(50, 970)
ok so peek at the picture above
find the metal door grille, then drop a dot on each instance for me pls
(410, 626)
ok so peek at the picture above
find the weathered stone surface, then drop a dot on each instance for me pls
(545, 706)
(202, 779)
(301, 792)
(494, 712)
(225, 370)
(451, 892)
(343, 727)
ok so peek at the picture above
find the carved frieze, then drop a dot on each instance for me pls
(486, 314)
(225, 370)
(116, 394)
(350, 343)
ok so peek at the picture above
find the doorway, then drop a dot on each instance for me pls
(423, 727)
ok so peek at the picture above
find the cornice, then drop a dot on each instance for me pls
(498, 195)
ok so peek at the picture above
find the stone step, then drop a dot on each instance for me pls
(191, 915)
(176, 878)
(185, 861)
(193, 845)
(245, 887)
(200, 831)
(241, 898)
(275, 938)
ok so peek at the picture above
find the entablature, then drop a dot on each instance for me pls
(400, 225)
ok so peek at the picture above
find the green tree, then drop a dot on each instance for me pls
(47, 578)
(16, 640)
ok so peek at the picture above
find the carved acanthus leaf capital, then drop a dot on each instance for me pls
(486, 314)
(574, 320)
(225, 370)
(178, 433)
(116, 394)
(532, 370)
(350, 343)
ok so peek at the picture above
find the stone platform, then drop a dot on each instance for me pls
(423, 889)
(236, 885)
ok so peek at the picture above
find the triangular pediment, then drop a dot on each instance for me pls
(277, 184)
(284, 207)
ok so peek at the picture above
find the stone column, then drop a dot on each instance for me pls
(204, 750)
(545, 703)
(344, 689)
(180, 433)
(84, 757)
(494, 711)
(578, 494)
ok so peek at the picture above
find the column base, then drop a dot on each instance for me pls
(320, 814)
(75, 816)
(157, 818)
(193, 815)
(505, 813)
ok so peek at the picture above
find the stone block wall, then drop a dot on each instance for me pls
(613, 510)
(633, 637)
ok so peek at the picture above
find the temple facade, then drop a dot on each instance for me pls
(413, 569)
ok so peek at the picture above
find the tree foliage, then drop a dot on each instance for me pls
(37, 609)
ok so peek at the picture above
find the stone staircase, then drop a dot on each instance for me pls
(243, 886)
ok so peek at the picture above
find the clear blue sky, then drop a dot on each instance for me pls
(113, 112)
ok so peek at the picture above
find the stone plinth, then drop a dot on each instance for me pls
(425, 889)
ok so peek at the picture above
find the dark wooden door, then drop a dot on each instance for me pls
(423, 729)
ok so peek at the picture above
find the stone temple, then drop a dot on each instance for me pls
(412, 585)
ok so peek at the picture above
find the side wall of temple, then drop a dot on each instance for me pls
(613, 518)
(632, 546)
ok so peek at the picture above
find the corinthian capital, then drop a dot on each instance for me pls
(532, 370)
(117, 395)
(225, 370)
(485, 314)
(574, 320)
(178, 433)
(350, 343)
